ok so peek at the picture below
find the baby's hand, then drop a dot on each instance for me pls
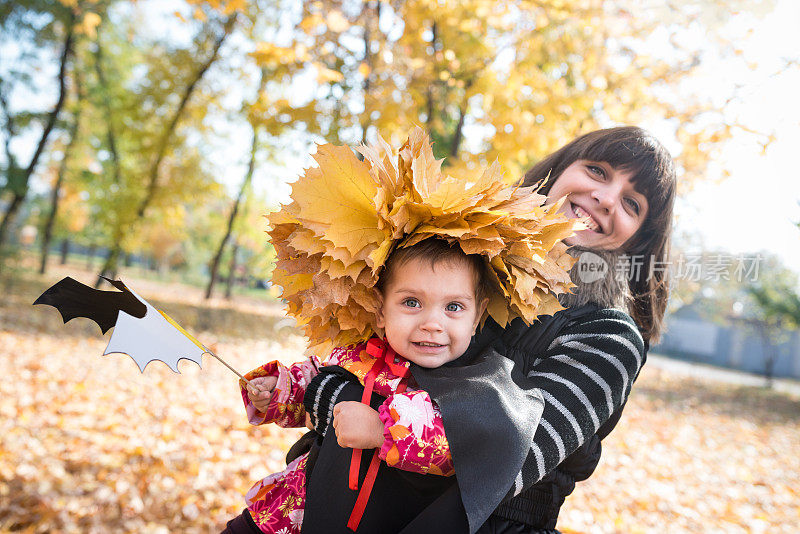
(357, 425)
(259, 391)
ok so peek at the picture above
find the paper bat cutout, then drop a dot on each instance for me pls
(141, 331)
(73, 299)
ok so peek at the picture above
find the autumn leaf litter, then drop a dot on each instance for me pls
(88, 444)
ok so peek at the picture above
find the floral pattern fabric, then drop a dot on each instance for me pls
(413, 428)
(414, 435)
(277, 502)
(286, 406)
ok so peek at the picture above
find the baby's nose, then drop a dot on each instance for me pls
(431, 322)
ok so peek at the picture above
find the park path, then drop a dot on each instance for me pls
(719, 374)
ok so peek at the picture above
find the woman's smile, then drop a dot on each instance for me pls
(605, 198)
(590, 222)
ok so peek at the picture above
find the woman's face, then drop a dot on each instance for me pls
(596, 190)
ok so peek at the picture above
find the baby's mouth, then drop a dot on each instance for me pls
(591, 224)
(427, 344)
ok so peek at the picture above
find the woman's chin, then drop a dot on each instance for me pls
(584, 238)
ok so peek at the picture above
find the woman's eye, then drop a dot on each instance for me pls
(633, 205)
(597, 171)
(454, 307)
(411, 303)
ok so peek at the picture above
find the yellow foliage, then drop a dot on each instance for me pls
(326, 75)
(347, 215)
(336, 22)
(89, 25)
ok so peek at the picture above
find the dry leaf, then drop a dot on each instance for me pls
(347, 216)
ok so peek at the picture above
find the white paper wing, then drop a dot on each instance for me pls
(153, 337)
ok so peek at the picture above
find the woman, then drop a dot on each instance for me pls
(624, 180)
(583, 360)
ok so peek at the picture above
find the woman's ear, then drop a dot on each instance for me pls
(380, 321)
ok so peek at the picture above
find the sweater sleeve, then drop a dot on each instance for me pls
(322, 395)
(585, 376)
(286, 404)
(414, 438)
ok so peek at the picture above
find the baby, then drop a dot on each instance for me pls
(431, 298)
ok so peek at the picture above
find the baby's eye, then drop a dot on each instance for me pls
(454, 307)
(633, 205)
(411, 303)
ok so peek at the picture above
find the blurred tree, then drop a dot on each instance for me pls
(61, 175)
(755, 290)
(59, 29)
(523, 77)
(185, 72)
(276, 66)
(775, 308)
(243, 190)
(490, 80)
(256, 255)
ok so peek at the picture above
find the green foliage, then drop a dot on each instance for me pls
(776, 300)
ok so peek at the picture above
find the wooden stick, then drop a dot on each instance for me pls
(229, 367)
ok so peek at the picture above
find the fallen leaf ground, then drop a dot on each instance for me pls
(88, 444)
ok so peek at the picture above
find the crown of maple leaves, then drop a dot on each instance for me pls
(347, 215)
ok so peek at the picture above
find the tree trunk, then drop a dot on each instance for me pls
(64, 251)
(770, 353)
(8, 216)
(458, 133)
(163, 142)
(111, 264)
(10, 133)
(769, 362)
(13, 171)
(251, 165)
(21, 192)
(429, 90)
(47, 234)
(111, 138)
(370, 23)
(232, 271)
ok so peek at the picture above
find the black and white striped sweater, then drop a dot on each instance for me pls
(585, 375)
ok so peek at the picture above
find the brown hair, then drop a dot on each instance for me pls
(438, 251)
(636, 151)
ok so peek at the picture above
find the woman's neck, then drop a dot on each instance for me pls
(600, 277)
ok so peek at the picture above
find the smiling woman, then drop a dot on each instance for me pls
(624, 180)
(605, 198)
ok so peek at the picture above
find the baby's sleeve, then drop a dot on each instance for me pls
(286, 405)
(414, 438)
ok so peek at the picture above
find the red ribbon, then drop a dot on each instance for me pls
(384, 356)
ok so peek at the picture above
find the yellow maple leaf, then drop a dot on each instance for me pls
(339, 194)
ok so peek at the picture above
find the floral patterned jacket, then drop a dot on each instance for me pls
(413, 428)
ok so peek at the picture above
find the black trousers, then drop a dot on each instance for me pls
(242, 524)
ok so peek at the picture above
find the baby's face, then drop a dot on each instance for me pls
(430, 313)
